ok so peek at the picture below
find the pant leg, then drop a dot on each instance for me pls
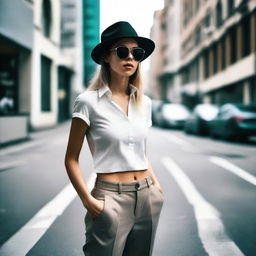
(140, 240)
(107, 234)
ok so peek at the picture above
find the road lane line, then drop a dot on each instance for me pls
(25, 238)
(11, 164)
(18, 148)
(234, 169)
(184, 144)
(210, 227)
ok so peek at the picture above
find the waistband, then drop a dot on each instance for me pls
(124, 186)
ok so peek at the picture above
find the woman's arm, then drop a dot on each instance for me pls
(155, 180)
(76, 138)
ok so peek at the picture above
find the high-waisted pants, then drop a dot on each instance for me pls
(127, 225)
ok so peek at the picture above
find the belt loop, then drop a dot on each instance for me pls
(147, 182)
(119, 187)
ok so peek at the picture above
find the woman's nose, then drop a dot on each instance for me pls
(130, 56)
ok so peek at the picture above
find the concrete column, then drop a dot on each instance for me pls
(211, 62)
(246, 92)
(201, 69)
(253, 32)
(239, 42)
(219, 56)
(228, 54)
(207, 99)
(25, 69)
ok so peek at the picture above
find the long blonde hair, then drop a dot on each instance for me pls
(102, 77)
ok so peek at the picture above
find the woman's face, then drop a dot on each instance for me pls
(122, 67)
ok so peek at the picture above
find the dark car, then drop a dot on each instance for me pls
(171, 115)
(198, 121)
(234, 121)
(155, 105)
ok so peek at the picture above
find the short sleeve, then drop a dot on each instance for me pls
(80, 109)
(149, 112)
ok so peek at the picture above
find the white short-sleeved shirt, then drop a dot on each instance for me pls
(117, 142)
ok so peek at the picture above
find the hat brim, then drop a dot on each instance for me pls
(99, 50)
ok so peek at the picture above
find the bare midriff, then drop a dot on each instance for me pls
(127, 176)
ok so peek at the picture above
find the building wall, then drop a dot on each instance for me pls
(91, 27)
(217, 58)
(48, 47)
(65, 55)
(170, 78)
(16, 42)
(20, 28)
(156, 59)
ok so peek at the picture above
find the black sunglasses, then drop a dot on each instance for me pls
(123, 52)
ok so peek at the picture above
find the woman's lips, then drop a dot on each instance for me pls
(128, 65)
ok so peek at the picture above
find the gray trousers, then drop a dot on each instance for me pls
(127, 225)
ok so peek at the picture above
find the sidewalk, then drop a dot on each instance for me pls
(36, 138)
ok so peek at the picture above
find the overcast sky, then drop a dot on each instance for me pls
(137, 12)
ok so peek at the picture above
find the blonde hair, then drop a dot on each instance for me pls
(102, 77)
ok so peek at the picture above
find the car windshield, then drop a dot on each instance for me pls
(175, 110)
(207, 112)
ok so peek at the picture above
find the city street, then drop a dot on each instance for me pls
(209, 196)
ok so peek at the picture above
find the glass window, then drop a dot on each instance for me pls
(218, 14)
(46, 18)
(230, 7)
(8, 84)
(45, 84)
(246, 36)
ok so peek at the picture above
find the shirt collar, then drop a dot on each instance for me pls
(105, 90)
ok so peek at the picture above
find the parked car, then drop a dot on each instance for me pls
(236, 121)
(198, 121)
(171, 115)
(155, 105)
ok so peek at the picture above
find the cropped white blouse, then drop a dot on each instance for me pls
(117, 141)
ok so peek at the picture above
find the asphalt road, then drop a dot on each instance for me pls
(209, 196)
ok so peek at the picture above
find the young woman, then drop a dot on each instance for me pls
(124, 206)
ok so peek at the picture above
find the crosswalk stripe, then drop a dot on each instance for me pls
(25, 238)
(234, 169)
(210, 227)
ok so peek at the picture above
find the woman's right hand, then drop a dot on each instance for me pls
(95, 207)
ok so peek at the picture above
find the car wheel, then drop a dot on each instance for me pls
(213, 135)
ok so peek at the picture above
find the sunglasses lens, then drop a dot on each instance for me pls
(138, 54)
(122, 52)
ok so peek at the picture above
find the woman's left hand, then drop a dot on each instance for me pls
(157, 185)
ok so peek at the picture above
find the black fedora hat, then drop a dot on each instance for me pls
(116, 32)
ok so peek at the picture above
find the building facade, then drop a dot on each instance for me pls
(41, 70)
(16, 47)
(57, 60)
(156, 64)
(91, 28)
(217, 55)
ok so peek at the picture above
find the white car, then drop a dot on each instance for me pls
(171, 115)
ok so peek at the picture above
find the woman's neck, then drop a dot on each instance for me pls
(119, 85)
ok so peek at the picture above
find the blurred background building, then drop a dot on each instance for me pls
(91, 30)
(208, 51)
(43, 47)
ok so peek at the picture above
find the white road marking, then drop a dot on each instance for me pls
(234, 169)
(25, 238)
(19, 147)
(11, 164)
(184, 144)
(210, 227)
